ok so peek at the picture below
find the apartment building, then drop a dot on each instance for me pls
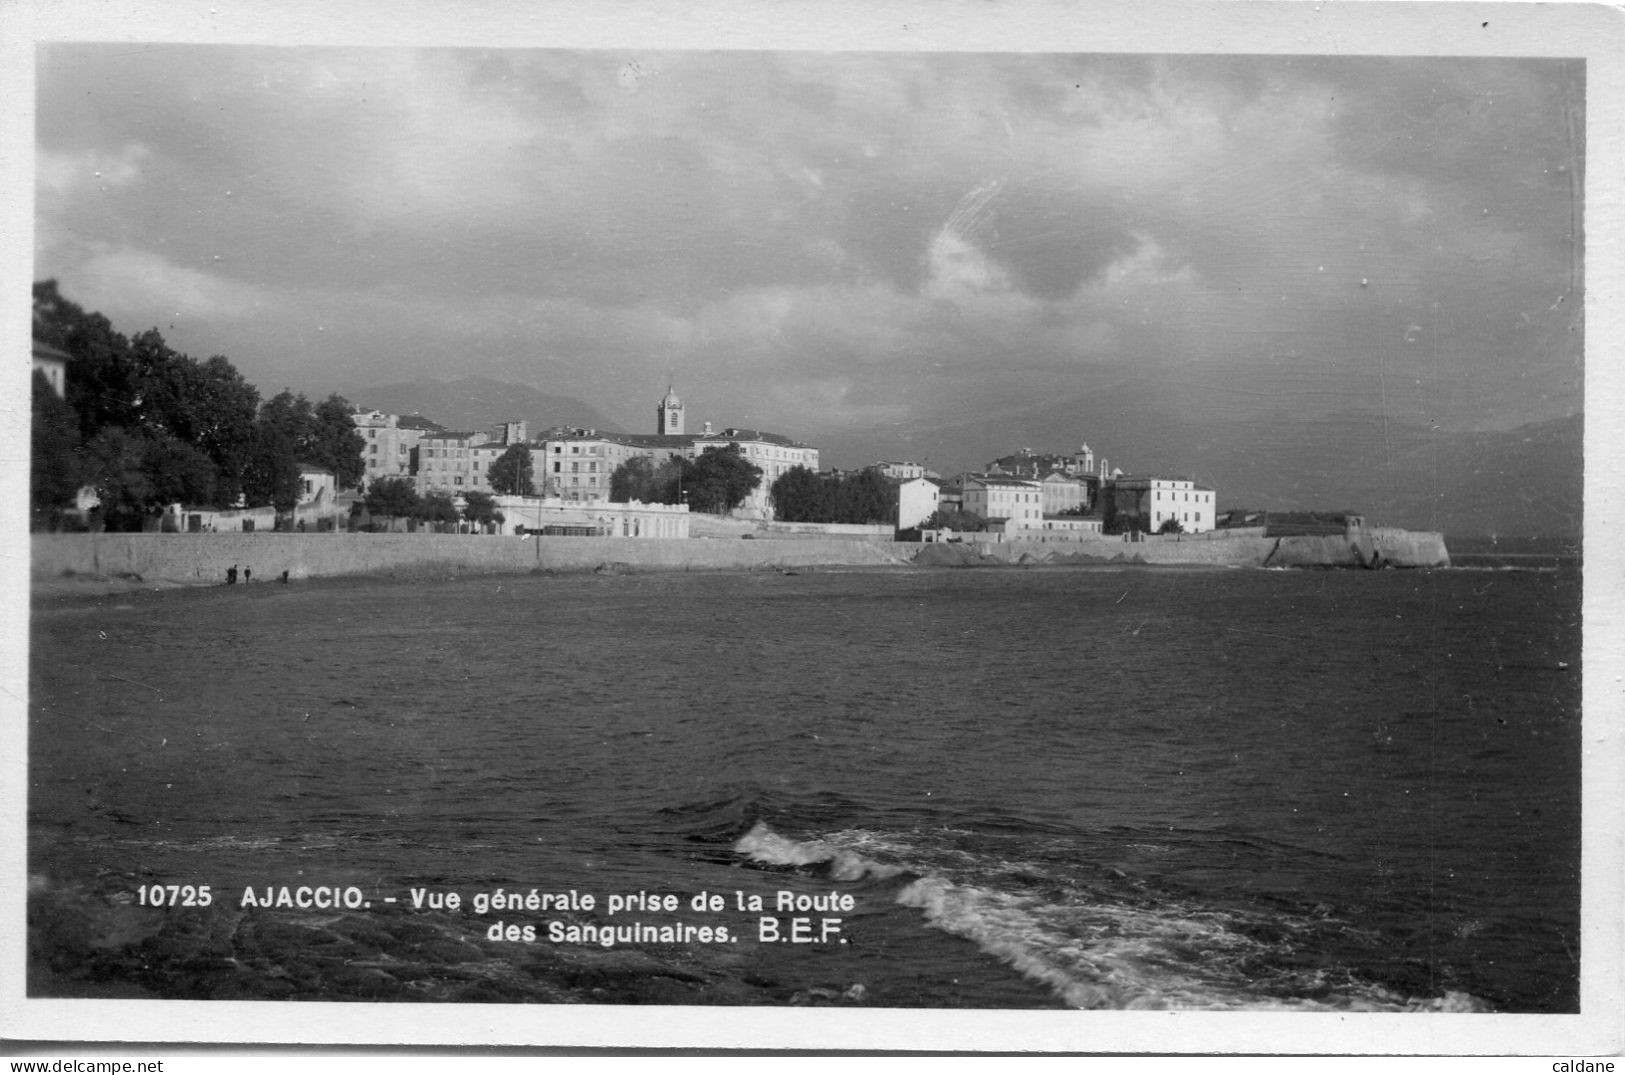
(1020, 503)
(1152, 501)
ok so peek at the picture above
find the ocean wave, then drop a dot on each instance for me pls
(1099, 952)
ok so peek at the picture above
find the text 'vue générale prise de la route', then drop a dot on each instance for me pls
(781, 917)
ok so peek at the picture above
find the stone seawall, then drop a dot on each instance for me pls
(1366, 548)
(1410, 548)
(1242, 551)
(204, 558)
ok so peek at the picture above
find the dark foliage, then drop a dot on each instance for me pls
(54, 454)
(867, 497)
(512, 473)
(158, 427)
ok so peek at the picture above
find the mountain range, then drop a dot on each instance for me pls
(478, 403)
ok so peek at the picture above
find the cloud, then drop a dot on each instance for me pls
(70, 173)
(890, 233)
(140, 284)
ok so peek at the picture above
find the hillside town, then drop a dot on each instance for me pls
(1016, 496)
(132, 437)
(563, 483)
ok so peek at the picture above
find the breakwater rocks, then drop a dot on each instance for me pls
(204, 559)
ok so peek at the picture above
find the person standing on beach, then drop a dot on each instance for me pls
(248, 574)
(231, 575)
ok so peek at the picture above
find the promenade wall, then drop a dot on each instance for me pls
(1247, 550)
(204, 558)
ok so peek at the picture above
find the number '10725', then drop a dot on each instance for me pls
(174, 895)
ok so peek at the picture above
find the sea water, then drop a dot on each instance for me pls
(1112, 787)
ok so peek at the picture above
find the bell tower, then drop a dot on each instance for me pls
(669, 414)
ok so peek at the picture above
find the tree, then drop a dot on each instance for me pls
(333, 441)
(437, 509)
(720, 480)
(800, 496)
(271, 475)
(225, 425)
(102, 390)
(965, 522)
(480, 508)
(114, 462)
(635, 480)
(393, 498)
(511, 474)
(55, 471)
(866, 497)
(1170, 525)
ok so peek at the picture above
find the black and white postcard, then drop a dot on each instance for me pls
(971, 527)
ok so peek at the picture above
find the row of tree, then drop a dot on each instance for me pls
(398, 498)
(718, 481)
(148, 426)
(804, 496)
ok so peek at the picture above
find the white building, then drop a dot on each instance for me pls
(545, 515)
(53, 363)
(1064, 493)
(388, 451)
(1019, 503)
(1070, 526)
(446, 461)
(917, 501)
(770, 451)
(1152, 501)
(901, 471)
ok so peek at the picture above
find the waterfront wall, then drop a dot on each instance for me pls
(204, 558)
(1247, 550)
(1372, 547)
(1410, 548)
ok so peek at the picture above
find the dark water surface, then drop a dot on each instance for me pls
(1105, 788)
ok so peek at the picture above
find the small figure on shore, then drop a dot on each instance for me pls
(248, 574)
(231, 575)
(284, 577)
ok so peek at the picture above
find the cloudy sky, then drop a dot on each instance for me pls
(835, 244)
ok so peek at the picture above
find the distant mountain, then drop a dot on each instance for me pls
(478, 403)
(1524, 482)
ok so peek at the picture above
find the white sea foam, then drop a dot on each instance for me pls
(764, 845)
(1095, 953)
